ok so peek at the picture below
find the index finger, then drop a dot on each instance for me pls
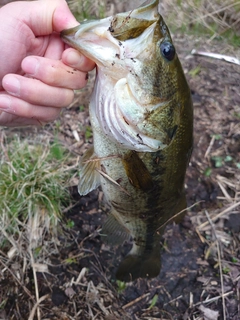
(54, 72)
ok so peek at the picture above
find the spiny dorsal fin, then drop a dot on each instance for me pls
(89, 176)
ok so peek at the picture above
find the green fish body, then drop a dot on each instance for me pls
(142, 121)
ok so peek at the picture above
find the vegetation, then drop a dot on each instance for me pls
(34, 176)
(87, 9)
(214, 19)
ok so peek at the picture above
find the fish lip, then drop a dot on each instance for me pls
(83, 27)
(135, 13)
(91, 33)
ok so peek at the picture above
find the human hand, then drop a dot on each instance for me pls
(37, 73)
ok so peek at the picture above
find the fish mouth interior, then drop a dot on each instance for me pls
(101, 39)
(122, 26)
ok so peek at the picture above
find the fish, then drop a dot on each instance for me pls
(141, 115)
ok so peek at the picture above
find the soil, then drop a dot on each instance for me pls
(81, 281)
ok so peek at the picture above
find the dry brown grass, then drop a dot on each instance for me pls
(214, 19)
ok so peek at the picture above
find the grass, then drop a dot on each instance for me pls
(87, 9)
(34, 175)
(33, 185)
(213, 19)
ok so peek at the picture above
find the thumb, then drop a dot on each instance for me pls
(48, 16)
(63, 18)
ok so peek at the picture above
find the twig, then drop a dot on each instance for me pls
(81, 275)
(203, 240)
(216, 56)
(226, 181)
(113, 181)
(219, 215)
(131, 303)
(173, 300)
(31, 317)
(223, 8)
(177, 214)
(224, 191)
(220, 264)
(210, 146)
(36, 285)
(214, 298)
(101, 159)
(71, 206)
(24, 288)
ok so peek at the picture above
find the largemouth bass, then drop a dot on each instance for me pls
(142, 122)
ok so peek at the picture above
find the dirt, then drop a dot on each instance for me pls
(81, 282)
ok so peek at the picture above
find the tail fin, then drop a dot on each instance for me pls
(140, 264)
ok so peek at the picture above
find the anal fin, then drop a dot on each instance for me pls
(89, 176)
(113, 232)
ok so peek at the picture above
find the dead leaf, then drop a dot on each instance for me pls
(208, 313)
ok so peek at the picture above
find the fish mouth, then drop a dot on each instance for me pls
(100, 40)
(121, 46)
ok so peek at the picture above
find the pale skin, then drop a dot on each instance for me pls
(38, 73)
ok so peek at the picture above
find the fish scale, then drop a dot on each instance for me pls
(142, 121)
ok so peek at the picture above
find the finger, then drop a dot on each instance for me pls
(54, 72)
(10, 120)
(23, 109)
(63, 18)
(75, 59)
(55, 47)
(36, 92)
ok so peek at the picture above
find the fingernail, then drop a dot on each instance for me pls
(12, 86)
(30, 65)
(5, 103)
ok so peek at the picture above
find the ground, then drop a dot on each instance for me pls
(200, 275)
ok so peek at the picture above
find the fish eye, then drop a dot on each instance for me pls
(167, 50)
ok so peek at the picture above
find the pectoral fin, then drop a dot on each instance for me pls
(89, 176)
(137, 172)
